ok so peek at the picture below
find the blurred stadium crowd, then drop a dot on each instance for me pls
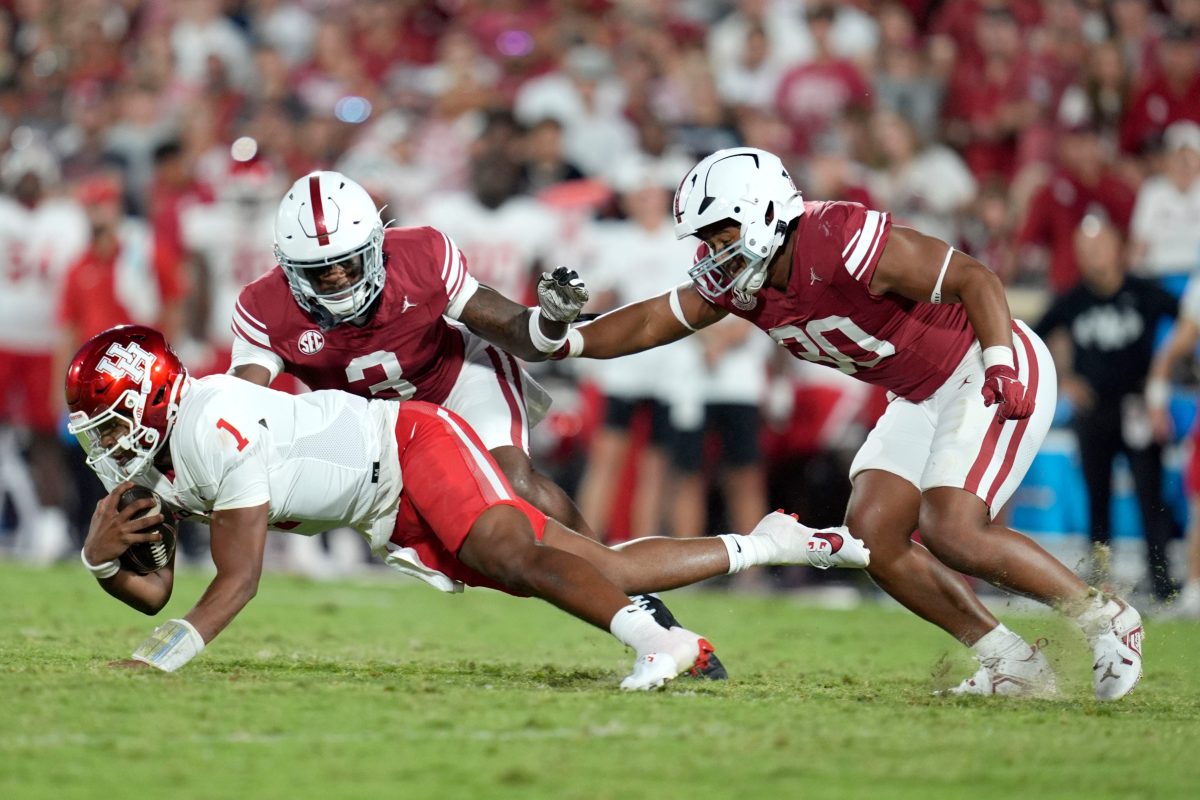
(146, 144)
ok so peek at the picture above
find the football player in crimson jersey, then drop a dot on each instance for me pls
(411, 477)
(395, 314)
(972, 393)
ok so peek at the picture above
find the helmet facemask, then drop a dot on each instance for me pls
(746, 187)
(345, 304)
(117, 443)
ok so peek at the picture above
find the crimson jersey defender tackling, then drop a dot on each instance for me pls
(971, 390)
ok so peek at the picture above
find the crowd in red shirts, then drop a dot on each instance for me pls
(996, 124)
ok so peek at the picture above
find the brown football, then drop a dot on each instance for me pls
(149, 556)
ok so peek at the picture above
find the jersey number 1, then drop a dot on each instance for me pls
(392, 386)
(224, 425)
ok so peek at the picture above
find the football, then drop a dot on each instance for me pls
(150, 556)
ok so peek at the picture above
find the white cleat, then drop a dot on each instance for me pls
(1026, 673)
(654, 670)
(1115, 632)
(800, 544)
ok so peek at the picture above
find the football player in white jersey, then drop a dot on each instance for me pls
(411, 477)
(41, 235)
(229, 243)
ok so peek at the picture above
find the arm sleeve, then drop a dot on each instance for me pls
(459, 283)
(864, 235)
(246, 353)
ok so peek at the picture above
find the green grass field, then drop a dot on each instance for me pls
(385, 688)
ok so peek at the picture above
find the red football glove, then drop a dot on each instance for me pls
(1001, 385)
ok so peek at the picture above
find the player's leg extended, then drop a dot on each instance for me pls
(658, 563)
(531, 485)
(883, 511)
(461, 514)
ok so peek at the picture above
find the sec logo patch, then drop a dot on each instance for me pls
(311, 342)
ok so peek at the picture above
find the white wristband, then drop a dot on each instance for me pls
(105, 569)
(574, 343)
(173, 644)
(541, 342)
(1158, 393)
(998, 356)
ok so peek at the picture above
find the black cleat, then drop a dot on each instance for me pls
(713, 669)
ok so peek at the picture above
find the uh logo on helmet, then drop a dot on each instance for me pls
(324, 220)
(123, 389)
(751, 188)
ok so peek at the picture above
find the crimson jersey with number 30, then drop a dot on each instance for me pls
(828, 314)
(406, 350)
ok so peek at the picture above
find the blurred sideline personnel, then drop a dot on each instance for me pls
(1102, 336)
(411, 477)
(357, 308)
(1178, 347)
(838, 284)
(41, 235)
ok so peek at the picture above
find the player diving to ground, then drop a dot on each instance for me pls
(972, 393)
(394, 313)
(412, 477)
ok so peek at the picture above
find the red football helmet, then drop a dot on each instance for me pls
(123, 391)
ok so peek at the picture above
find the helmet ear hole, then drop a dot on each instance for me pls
(769, 216)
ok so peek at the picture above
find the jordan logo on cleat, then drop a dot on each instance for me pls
(1108, 673)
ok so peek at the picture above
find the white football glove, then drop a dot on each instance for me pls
(562, 294)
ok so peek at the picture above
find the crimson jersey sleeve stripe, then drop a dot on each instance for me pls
(454, 271)
(865, 243)
(248, 328)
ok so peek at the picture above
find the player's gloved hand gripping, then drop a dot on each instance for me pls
(562, 294)
(1002, 385)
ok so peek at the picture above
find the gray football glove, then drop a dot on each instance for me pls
(562, 294)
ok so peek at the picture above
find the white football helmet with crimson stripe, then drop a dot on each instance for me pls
(750, 187)
(323, 220)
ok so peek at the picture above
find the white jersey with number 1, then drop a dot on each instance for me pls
(320, 460)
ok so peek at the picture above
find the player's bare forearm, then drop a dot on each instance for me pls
(506, 324)
(911, 265)
(145, 593)
(238, 537)
(254, 373)
(646, 324)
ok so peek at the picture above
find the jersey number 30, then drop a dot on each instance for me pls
(836, 341)
(392, 386)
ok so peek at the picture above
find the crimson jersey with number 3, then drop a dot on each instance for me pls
(828, 314)
(406, 350)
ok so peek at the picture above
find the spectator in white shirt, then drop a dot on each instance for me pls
(1166, 218)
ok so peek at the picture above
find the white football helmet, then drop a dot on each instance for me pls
(750, 187)
(327, 219)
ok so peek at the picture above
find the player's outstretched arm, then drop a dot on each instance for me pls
(643, 325)
(510, 326)
(110, 534)
(238, 538)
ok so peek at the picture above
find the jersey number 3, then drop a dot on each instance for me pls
(836, 341)
(392, 386)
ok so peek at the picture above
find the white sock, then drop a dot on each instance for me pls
(636, 627)
(997, 642)
(748, 551)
